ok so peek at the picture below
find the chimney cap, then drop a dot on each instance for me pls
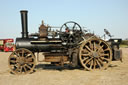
(24, 11)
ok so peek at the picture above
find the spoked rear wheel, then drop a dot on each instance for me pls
(21, 61)
(95, 54)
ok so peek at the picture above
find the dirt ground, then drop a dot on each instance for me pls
(116, 74)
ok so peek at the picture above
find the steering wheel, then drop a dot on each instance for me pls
(70, 32)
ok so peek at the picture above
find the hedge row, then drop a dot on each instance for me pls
(124, 42)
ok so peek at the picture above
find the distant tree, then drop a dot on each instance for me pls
(124, 42)
(126, 39)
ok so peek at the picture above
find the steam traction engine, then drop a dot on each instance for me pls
(69, 44)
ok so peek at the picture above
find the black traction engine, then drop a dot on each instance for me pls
(70, 44)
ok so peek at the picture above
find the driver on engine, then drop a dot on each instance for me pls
(67, 30)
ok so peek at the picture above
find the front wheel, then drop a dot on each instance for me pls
(21, 61)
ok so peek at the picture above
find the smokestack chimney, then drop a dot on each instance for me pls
(24, 23)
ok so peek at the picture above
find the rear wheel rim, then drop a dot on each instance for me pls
(95, 54)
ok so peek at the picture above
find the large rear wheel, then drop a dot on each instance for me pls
(95, 54)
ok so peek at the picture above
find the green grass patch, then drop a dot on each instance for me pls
(123, 46)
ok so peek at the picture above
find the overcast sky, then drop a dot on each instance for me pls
(96, 15)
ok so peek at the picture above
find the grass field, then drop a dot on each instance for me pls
(124, 46)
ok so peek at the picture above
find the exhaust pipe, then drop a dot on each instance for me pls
(24, 23)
